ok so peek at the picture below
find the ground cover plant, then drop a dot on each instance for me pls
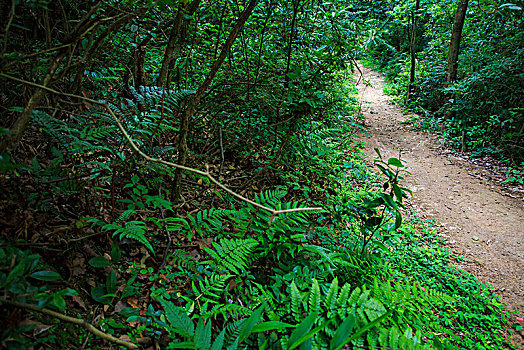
(186, 175)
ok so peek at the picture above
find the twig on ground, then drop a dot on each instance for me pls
(74, 320)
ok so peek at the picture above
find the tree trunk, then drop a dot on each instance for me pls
(290, 44)
(412, 50)
(454, 49)
(188, 113)
(18, 128)
(454, 46)
(176, 37)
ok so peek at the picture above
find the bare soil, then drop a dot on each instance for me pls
(477, 220)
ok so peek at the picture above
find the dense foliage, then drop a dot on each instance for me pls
(485, 101)
(276, 236)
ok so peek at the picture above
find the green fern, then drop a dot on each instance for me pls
(210, 289)
(135, 230)
(232, 255)
(182, 259)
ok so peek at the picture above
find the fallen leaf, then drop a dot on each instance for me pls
(79, 301)
(120, 306)
(38, 328)
(133, 302)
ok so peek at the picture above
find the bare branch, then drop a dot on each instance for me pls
(78, 321)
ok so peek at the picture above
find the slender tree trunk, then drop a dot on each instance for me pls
(17, 130)
(412, 50)
(454, 46)
(290, 44)
(188, 113)
(454, 49)
(176, 37)
(139, 62)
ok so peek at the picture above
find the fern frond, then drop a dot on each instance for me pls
(182, 259)
(209, 289)
(295, 302)
(135, 230)
(232, 255)
(314, 298)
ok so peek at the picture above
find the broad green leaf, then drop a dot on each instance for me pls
(203, 335)
(343, 332)
(395, 162)
(111, 282)
(59, 301)
(116, 253)
(304, 342)
(270, 325)
(301, 329)
(371, 324)
(250, 323)
(99, 294)
(183, 345)
(219, 341)
(99, 261)
(398, 219)
(46, 275)
(17, 271)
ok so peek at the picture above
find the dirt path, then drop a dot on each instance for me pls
(477, 222)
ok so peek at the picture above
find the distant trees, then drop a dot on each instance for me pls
(485, 116)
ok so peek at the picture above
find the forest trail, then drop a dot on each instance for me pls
(477, 222)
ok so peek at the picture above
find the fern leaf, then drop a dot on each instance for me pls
(314, 298)
(177, 318)
(295, 302)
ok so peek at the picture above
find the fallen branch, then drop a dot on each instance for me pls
(160, 161)
(74, 320)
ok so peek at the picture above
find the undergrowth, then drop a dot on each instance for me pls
(358, 273)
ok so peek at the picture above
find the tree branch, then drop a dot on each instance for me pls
(74, 320)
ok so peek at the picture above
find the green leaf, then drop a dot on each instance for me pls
(99, 261)
(98, 293)
(17, 271)
(305, 341)
(378, 152)
(375, 203)
(218, 344)
(111, 282)
(398, 219)
(395, 162)
(295, 299)
(183, 345)
(116, 253)
(398, 192)
(59, 301)
(314, 297)
(343, 332)
(270, 326)
(389, 201)
(203, 335)
(177, 318)
(301, 329)
(46, 275)
(371, 324)
(250, 323)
